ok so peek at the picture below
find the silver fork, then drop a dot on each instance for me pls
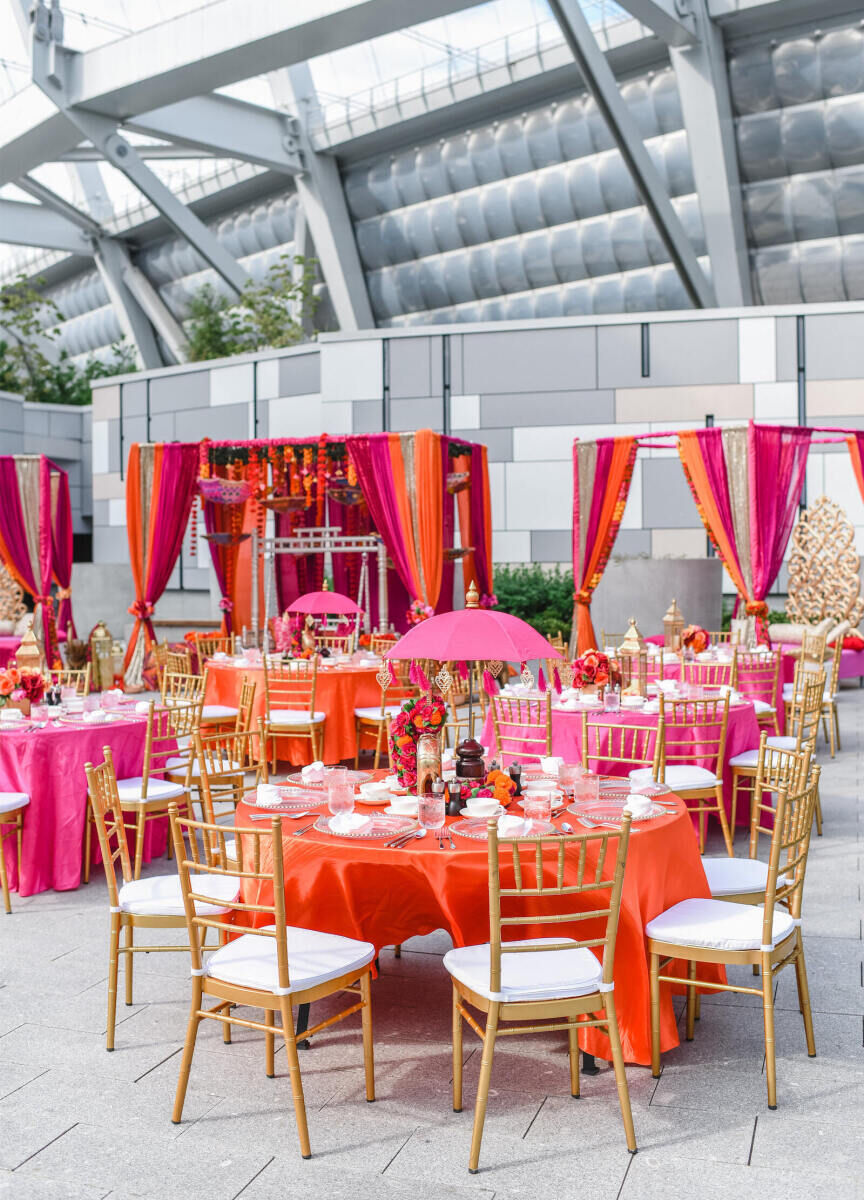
(292, 816)
(300, 832)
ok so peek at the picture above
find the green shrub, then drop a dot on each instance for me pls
(542, 597)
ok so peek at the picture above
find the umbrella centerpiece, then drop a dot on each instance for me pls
(318, 604)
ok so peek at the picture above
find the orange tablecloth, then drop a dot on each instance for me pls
(340, 690)
(363, 890)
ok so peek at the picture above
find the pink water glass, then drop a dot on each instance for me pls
(611, 700)
(587, 789)
(537, 807)
(568, 773)
(39, 712)
(340, 798)
(110, 700)
(431, 810)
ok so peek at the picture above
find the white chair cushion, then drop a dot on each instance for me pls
(374, 714)
(747, 758)
(131, 791)
(680, 778)
(11, 801)
(224, 712)
(782, 743)
(761, 707)
(734, 876)
(295, 716)
(180, 764)
(231, 848)
(161, 896)
(545, 975)
(717, 925)
(313, 958)
(750, 758)
(788, 694)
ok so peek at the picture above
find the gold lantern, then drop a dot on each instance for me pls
(673, 627)
(633, 660)
(29, 656)
(101, 657)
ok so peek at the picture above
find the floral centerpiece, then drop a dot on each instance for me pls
(422, 715)
(594, 669)
(695, 638)
(497, 785)
(20, 689)
(419, 612)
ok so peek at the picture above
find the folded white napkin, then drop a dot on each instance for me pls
(569, 693)
(482, 809)
(667, 685)
(392, 781)
(571, 704)
(220, 656)
(652, 707)
(143, 706)
(96, 717)
(316, 772)
(375, 791)
(511, 826)
(637, 806)
(115, 692)
(267, 793)
(349, 822)
(11, 714)
(551, 765)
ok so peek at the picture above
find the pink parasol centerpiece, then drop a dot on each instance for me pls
(319, 603)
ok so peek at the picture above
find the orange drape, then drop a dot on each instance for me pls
(429, 498)
(855, 450)
(691, 458)
(463, 508)
(400, 490)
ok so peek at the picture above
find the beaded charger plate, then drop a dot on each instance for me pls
(380, 826)
(15, 726)
(78, 719)
(353, 777)
(610, 813)
(290, 802)
(475, 828)
(621, 788)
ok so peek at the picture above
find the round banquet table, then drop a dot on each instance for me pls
(48, 764)
(340, 690)
(362, 889)
(742, 734)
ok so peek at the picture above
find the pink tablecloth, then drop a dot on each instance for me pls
(851, 664)
(742, 734)
(8, 648)
(48, 764)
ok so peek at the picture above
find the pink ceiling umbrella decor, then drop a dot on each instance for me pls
(319, 603)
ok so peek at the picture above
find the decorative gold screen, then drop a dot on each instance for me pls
(12, 607)
(823, 566)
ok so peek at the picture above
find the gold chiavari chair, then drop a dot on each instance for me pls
(222, 768)
(630, 746)
(709, 674)
(457, 698)
(152, 903)
(336, 643)
(523, 725)
(374, 722)
(271, 966)
(12, 805)
(66, 677)
(557, 640)
(289, 695)
(742, 879)
(160, 651)
(721, 637)
(610, 641)
(766, 936)
(179, 661)
(226, 715)
(802, 726)
(758, 678)
(181, 688)
(217, 643)
(694, 734)
(554, 980)
(380, 643)
(829, 715)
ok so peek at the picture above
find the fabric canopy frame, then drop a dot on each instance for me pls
(36, 539)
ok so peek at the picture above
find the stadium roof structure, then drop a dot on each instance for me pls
(513, 158)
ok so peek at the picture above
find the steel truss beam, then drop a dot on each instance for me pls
(34, 225)
(319, 190)
(112, 260)
(703, 85)
(671, 20)
(598, 78)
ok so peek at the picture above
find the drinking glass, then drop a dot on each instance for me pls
(568, 774)
(537, 807)
(431, 811)
(587, 789)
(340, 798)
(611, 700)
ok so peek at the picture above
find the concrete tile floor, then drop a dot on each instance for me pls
(77, 1123)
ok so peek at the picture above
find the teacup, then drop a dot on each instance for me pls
(404, 805)
(481, 806)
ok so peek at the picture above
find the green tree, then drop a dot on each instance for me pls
(542, 597)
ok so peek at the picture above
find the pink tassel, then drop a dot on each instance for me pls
(463, 670)
(412, 673)
(422, 681)
(541, 681)
(489, 685)
(522, 667)
(556, 680)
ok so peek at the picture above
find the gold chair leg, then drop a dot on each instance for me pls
(818, 813)
(654, 982)
(140, 826)
(88, 837)
(483, 1086)
(296, 1081)
(620, 1073)
(368, 1044)
(4, 881)
(457, 1053)
(837, 726)
(270, 1044)
(734, 813)
(378, 741)
(768, 1016)
(357, 744)
(113, 963)
(804, 996)
(226, 1028)
(691, 1000)
(724, 824)
(188, 1049)
(128, 959)
(573, 1051)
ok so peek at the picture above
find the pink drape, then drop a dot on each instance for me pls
(61, 545)
(370, 455)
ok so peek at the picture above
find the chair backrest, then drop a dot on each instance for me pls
(708, 674)
(338, 643)
(160, 652)
(805, 711)
(245, 705)
(610, 641)
(834, 676)
(790, 845)
(400, 689)
(179, 661)
(164, 727)
(758, 675)
(224, 760)
(721, 637)
(523, 725)
(109, 821)
(292, 685)
(695, 732)
(607, 741)
(261, 846)
(180, 688)
(776, 770)
(561, 865)
(813, 650)
(380, 643)
(66, 677)
(217, 643)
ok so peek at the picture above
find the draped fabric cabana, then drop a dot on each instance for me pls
(160, 488)
(855, 442)
(36, 536)
(602, 472)
(747, 484)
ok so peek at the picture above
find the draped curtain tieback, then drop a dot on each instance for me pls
(226, 605)
(756, 608)
(64, 593)
(49, 600)
(142, 609)
(583, 598)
